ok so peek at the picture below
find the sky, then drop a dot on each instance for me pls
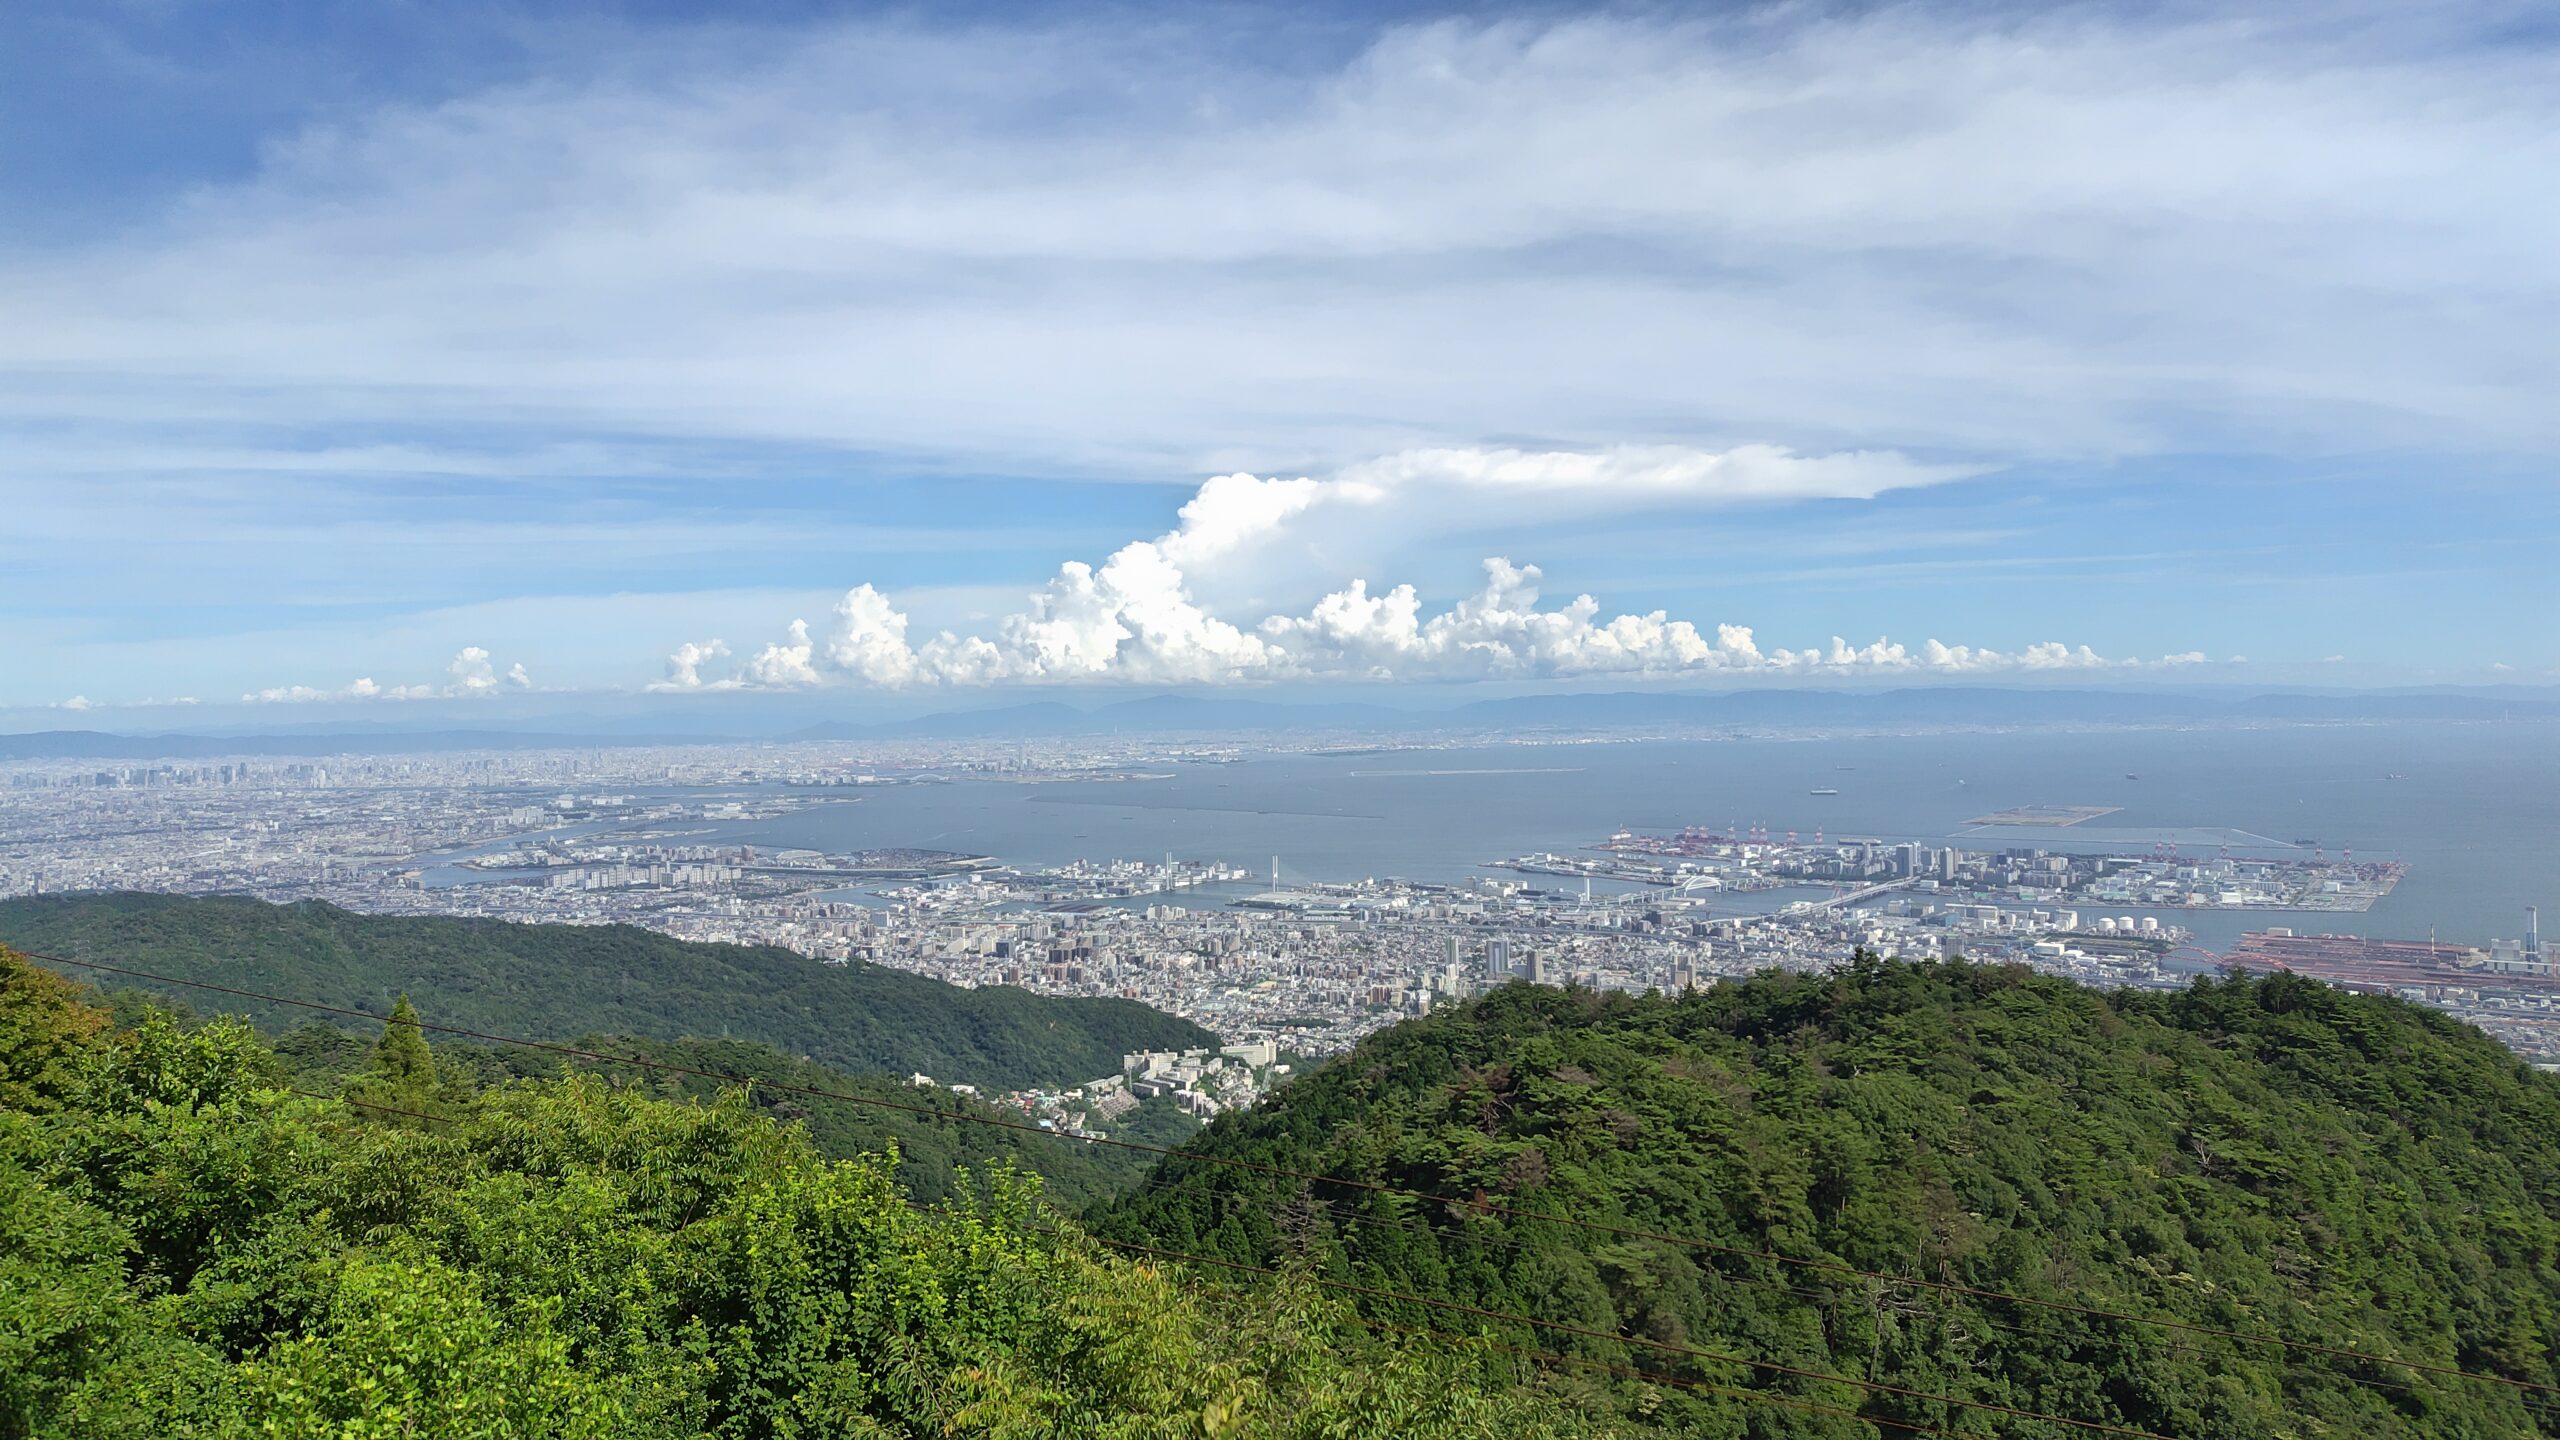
(363, 356)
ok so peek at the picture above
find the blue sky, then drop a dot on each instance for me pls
(373, 354)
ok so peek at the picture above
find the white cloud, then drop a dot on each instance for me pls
(869, 642)
(472, 674)
(77, 702)
(684, 666)
(1992, 233)
(2011, 231)
(788, 663)
(1137, 620)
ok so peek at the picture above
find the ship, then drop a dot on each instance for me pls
(1826, 791)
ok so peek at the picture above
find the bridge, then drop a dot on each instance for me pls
(1847, 897)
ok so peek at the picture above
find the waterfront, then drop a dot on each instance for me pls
(1141, 868)
(2474, 815)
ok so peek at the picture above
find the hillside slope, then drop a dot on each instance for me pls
(846, 1114)
(190, 1248)
(553, 982)
(2267, 1156)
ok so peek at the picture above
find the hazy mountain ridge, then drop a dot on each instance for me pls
(1177, 714)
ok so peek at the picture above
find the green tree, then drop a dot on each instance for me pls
(2270, 1156)
(399, 1085)
(191, 1249)
(402, 1062)
(43, 1025)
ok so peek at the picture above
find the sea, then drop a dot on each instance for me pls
(2472, 809)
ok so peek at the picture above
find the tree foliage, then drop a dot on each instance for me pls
(42, 1027)
(192, 1248)
(2269, 1156)
(937, 1133)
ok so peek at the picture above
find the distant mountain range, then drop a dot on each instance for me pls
(1175, 714)
(102, 745)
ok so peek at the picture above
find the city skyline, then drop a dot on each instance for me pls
(634, 350)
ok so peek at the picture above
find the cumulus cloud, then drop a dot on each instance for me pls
(1114, 626)
(869, 641)
(684, 666)
(362, 688)
(1136, 618)
(471, 675)
(787, 663)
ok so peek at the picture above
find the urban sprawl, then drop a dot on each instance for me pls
(1273, 965)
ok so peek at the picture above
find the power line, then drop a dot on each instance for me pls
(1479, 1205)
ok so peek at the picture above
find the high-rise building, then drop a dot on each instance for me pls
(1497, 961)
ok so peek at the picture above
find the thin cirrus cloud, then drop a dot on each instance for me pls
(2082, 233)
(2037, 240)
(1136, 618)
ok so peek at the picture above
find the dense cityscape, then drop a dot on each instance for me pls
(636, 836)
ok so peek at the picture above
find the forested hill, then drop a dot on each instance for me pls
(2267, 1156)
(554, 982)
(194, 1244)
(939, 1135)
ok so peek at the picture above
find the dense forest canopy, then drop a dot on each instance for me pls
(940, 1136)
(553, 982)
(193, 1248)
(1894, 1199)
(2268, 1156)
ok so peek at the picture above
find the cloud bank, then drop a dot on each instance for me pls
(1137, 617)
(760, 260)
(472, 675)
(2083, 230)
